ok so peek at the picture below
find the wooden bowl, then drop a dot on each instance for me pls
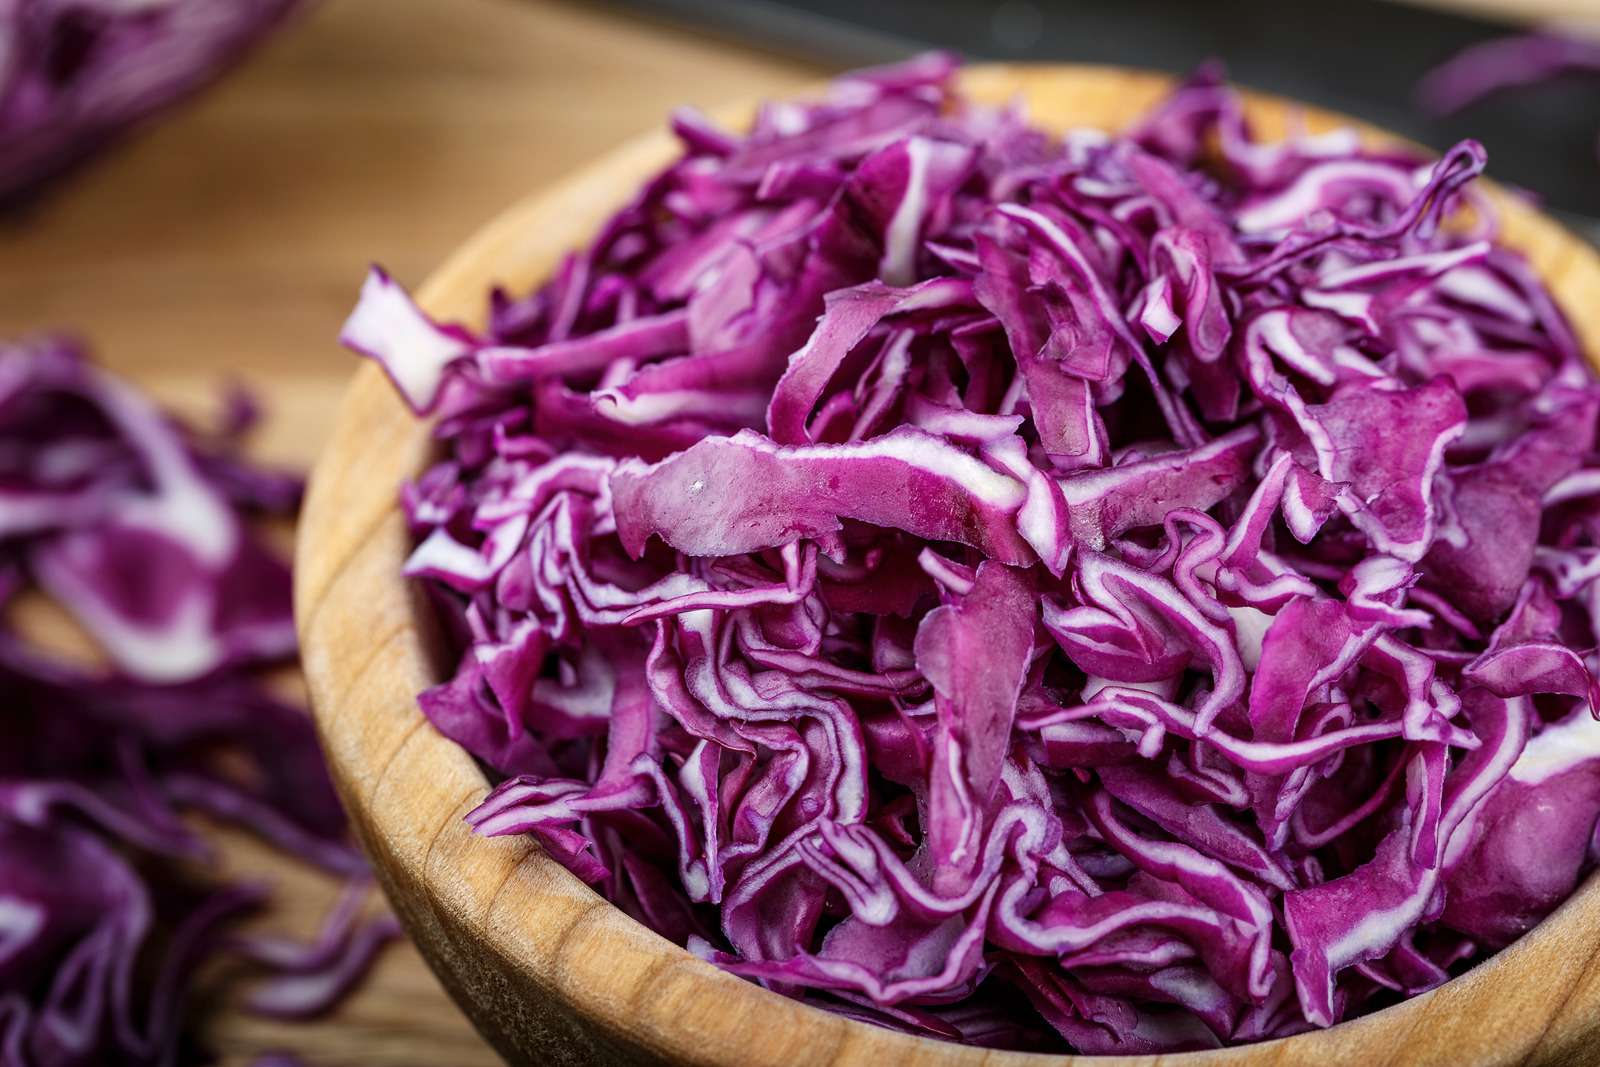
(552, 973)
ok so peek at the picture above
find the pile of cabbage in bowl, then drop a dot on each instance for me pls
(1128, 593)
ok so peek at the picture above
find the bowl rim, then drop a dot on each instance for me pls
(492, 911)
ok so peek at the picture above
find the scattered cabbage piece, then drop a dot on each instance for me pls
(76, 74)
(1503, 63)
(912, 559)
(140, 529)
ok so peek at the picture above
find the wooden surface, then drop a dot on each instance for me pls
(1575, 13)
(227, 244)
(556, 974)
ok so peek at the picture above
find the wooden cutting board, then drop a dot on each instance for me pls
(1572, 13)
(227, 244)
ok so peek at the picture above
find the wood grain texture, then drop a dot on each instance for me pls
(227, 243)
(555, 975)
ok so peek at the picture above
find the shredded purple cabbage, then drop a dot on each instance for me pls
(1504, 63)
(141, 531)
(934, 567)
(75, 74)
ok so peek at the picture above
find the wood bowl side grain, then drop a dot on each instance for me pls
(553, 974)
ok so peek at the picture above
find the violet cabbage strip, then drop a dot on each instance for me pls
(1504, 63)
(140, 530)
(77, 74)
(1122, 593)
